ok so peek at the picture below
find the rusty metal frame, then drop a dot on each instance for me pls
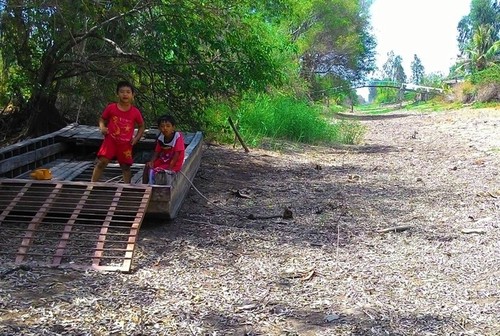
(71, 224)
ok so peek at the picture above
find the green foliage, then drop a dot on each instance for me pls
(179, 54)
(487, 84)
(488, 75)
(336, 44)
(386, 95)
(262, 116)
(479, 105)
(182, 55)
(434, 79)
(478, 37)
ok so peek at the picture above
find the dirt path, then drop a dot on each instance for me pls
(329, 270)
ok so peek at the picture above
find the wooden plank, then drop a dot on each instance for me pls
(83, 221)
(13, 203)
(105, 226)
(61, 247)
(111, 187)
(31, 142)
(134, 230)
(35, 222)
(56, 168)
(73, 170)
(21, 160)
(69, 131)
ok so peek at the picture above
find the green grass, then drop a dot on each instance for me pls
(375, 109)
(485, 105)
(427, 106)
(265, 118)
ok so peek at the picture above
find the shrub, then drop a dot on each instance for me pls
(350, 132)
(487, 83)
(465, 92)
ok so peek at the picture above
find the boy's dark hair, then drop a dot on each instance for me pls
(166, 118)
(121, 84)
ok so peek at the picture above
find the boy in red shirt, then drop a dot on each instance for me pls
(169, 151)
(117, 124)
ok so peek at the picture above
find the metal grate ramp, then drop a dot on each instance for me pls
(71, 224)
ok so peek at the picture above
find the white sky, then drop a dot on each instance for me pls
(427, 28)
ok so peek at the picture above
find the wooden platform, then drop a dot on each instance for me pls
(70, 221)
(71, 224)
(70, 154)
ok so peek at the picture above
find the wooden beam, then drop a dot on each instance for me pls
(21, 160)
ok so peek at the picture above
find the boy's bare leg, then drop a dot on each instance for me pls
(127, 173)
(102, 163)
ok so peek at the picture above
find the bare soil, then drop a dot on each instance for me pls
(396, 236)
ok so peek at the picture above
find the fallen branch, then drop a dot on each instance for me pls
(395, 229)
(473, 230)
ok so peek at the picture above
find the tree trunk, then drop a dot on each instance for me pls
(44, 117)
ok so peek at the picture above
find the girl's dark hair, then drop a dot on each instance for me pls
(166, 118)
(124, 84)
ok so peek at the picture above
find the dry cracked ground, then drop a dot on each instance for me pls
(397, 236)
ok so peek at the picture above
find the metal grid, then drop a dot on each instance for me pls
(71, 224)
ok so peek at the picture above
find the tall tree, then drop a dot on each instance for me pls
(417, 70)
(336, 42)
(393, 68)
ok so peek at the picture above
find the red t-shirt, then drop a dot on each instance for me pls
(167, 150)
(121, 124)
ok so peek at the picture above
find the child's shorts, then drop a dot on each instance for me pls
(110, 149)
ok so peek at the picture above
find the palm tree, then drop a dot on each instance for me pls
(483, 51)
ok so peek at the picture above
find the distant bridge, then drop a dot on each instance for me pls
(399, 86)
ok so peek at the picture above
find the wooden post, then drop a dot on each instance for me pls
(238, 134)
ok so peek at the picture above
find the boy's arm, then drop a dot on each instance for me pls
(151, 162)
(156, 155)
(102, 126)
(173, 161)
(140, 132)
